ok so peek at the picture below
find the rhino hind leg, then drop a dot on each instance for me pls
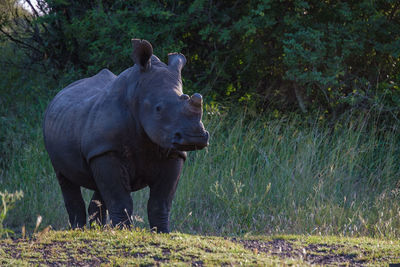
(73, 202)
(97, 210)
(108, 174)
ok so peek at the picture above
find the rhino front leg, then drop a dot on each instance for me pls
(73, 202)
(107, 171)
(97, 210)
(162, 192)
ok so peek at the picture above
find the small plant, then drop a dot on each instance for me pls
(8, 200)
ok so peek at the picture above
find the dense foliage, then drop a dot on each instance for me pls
(287, 54)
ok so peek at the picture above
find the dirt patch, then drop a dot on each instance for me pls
(322, 254)
(60, 253)
(47, 254)
(82, 252)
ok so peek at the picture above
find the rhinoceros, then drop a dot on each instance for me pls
(119, 134)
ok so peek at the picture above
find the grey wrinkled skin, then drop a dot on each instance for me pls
(118, 134)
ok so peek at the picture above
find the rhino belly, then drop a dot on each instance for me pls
(67, 160)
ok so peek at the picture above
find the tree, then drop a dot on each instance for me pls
(286, 55)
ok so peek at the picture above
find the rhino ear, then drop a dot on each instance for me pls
(142, 52)
(176, 61)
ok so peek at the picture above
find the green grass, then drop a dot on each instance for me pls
(260, 174)
(138, 247)
(273, 176)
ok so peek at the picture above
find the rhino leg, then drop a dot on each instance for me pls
(162, 192)
(97, 210)
(73, 202)
(107, 172)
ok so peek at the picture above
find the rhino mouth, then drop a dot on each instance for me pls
(188, 147)
(190, 142)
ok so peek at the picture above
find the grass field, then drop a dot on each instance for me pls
(125, 247)
(269, 174)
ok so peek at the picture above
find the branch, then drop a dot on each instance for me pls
(37, 14)
(32, 7)
(9, 36)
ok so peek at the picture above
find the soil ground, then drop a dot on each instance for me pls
(119, 248)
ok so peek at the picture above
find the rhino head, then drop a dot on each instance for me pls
(169, 117)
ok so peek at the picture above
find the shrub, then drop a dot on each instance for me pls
(279, 54)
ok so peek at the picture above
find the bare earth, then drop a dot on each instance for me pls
(121, 248)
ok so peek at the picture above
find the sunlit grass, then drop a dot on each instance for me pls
(323, 180)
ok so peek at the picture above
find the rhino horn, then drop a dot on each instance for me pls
(176, 61)
(196, 100)
(195, 103)
(142, 52)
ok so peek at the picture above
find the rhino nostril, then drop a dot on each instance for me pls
(184, 97)
(178, 136)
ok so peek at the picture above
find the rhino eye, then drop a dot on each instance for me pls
(158, 108)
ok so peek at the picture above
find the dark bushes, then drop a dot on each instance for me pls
(284, 55)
